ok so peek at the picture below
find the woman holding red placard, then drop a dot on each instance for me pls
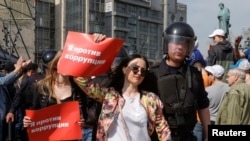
(57, 88)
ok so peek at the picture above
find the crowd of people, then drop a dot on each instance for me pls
(174, 100)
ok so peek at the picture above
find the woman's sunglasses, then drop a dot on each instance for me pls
(136, 69)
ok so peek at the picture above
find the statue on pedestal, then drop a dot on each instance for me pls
(224, 17)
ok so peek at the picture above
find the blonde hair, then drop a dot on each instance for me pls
(45, 86)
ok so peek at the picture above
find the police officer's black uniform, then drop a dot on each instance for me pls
(180, 89)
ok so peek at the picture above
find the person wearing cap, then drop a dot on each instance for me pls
(217, 90)
(222, 52)
(235, 107)
(244, 65)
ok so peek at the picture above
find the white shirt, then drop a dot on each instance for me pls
(136, 120)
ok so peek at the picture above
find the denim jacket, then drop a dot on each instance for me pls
(4, 96)
(111, 100)
(4, 81)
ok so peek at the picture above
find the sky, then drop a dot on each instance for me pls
(202, 16)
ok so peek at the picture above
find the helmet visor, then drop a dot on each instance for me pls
(180, 40)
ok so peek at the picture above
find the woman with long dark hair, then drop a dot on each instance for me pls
(129, 113)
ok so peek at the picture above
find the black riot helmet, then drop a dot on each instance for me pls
(47, 56)
(179, 32)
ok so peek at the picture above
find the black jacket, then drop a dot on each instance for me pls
(169, 83)
(223, 51)
(23, 97)
(221, 54)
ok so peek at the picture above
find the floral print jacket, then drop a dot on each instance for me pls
(111, 100)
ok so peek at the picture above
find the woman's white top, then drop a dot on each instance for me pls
(136, 120)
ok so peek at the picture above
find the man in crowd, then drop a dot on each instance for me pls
(22, 99)
(222, 52)
(179, 85)
(4, 81)
(243, 64)
(235, 106)
(217, 90)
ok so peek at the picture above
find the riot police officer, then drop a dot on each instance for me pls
(47, 56)
(180, 87)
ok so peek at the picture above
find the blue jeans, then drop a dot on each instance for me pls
(3, 109)
(87, 134)
(198, 131)
(19, 122)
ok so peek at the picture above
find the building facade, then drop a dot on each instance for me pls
(17, 30)
(139, 22)
(44, 27)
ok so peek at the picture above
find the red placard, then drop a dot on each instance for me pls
(83, 57)
(57, 122)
